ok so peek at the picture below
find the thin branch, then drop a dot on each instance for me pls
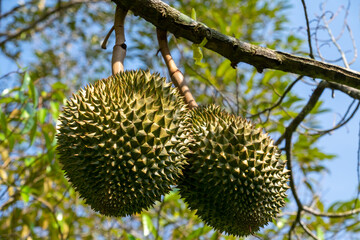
(293, 225)
(104, 43)
(304, 112)
(341, 123)
(51, 209)
(352, 92)
(167, 18)
(119, 50)
(287, 90)
(334, 41)
(15, 9)
(175, 74)
(308, 231)
(331, 215)
(311, 55)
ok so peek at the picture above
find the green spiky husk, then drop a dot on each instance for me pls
(118, 142)
(235, 180)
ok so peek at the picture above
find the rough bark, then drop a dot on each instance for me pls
(167, 18)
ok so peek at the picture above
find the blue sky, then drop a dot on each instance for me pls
(341, 184)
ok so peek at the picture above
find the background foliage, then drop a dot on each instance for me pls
(56, 46)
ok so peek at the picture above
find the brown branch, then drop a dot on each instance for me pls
(167, 18)
(175, 74)
(308, 231)
(311, 55)
(331, 215)
(15, 9)
(352, 92)
(119, 50)
(104, 43)
(304, 112)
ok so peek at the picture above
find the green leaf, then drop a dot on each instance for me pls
(197, 52)
(25, 193)
(198, 232)
(3, 121)
(55, 109)
(29, 160)
(147, 224)
(33, 130)
(30, 123)
(130, 237)
(24, 87)
(59, 85)
(193, 14)
(320, 233)
(33, 94)
(42, 115)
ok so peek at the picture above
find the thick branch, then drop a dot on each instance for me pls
(167, 18)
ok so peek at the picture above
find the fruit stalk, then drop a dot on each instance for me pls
(119, 50)
(176, 76)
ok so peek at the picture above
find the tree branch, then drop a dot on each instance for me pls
(304, 112)
(331, 215)
(167, 18)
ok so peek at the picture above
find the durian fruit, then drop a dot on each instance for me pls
(235, 180)
(118, 142)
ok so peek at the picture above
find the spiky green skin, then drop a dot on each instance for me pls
(118, 142)
(234, 180)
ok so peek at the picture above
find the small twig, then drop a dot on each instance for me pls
(119, 50)
(308, 231)
(352, 92)
(293, 225)
(106, 39)
(334, 41)
(175, 74)
(304, 112)
(331, 215)
(311, 55)
(287, 90)
(51, 209)
(341, 123)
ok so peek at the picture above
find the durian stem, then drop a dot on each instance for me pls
(176, 76)
(104, 43)
(119, 50)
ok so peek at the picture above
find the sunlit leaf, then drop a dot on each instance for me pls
(148, 226)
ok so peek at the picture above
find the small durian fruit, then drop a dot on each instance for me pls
(235, 180)
(118, 142)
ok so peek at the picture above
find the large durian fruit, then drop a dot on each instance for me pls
(235, 179)
(118, 142)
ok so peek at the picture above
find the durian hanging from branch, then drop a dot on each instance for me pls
(235, 179)
(125, 140)
(118, 139)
